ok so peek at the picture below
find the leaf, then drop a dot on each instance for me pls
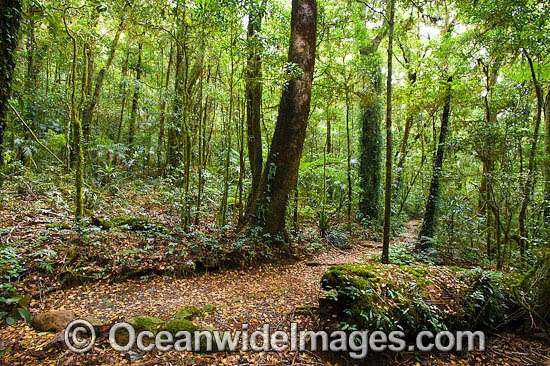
(24, 314)
(10, 320)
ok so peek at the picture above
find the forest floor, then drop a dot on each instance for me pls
(278, 294)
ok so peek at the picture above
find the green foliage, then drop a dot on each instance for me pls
(415, 298)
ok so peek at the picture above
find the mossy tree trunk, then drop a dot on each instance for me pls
(428, 225)
(10, 19)
(281, 169)
(387, 190)
(254, 95)
(370, 141)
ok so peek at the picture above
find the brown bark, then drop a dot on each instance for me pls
(254, 96)
(281, 169)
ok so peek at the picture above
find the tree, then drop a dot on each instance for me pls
(428, 225)
(254, 95)
(92, 102)
(370, 140)
(10, 19)
(281, 168)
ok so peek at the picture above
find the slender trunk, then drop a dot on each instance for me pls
(387, 191)
(77, 135)
(547, 162)
(163, 111)
(281, 169)
(350, 193)
(131, 132)
(428, 225)
(124, 96)
(403, 151)
(92, 102)
(254, 96)
(10, 19)
(529, 181)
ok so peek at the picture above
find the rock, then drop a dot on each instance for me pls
(188, 312)
(55, 321)
(141, 323)
(177, 325)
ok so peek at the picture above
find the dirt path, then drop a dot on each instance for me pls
(258, 295)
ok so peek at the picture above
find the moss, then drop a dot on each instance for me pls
(208, 308)
(188, 312)
(141, 323)
(177, 325)
(59, 225)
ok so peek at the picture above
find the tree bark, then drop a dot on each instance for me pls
(387, 190)
(428, 225)
(10, 19)
(281, 169)
(254, 96)
(370, 141)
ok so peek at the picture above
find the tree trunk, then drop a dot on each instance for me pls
(281, 170)
(10, 19)
(370, 149)
(387, 190)
(428, 225)
(92, 102)
(131, 132)
(254, 96)
(163, 112)
(528, 186)
(547, 162)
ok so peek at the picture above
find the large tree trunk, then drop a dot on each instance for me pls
(281, 170)
(10, 18)
(428, 225)
(92, 102)
(370, 141)
(254, 96)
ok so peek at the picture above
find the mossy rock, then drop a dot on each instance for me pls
(141, 323)
(179, 325)
(188, 312)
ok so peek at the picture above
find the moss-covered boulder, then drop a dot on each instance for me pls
(141, 323)
(188, 312)
(415, 298)
(179, 325)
